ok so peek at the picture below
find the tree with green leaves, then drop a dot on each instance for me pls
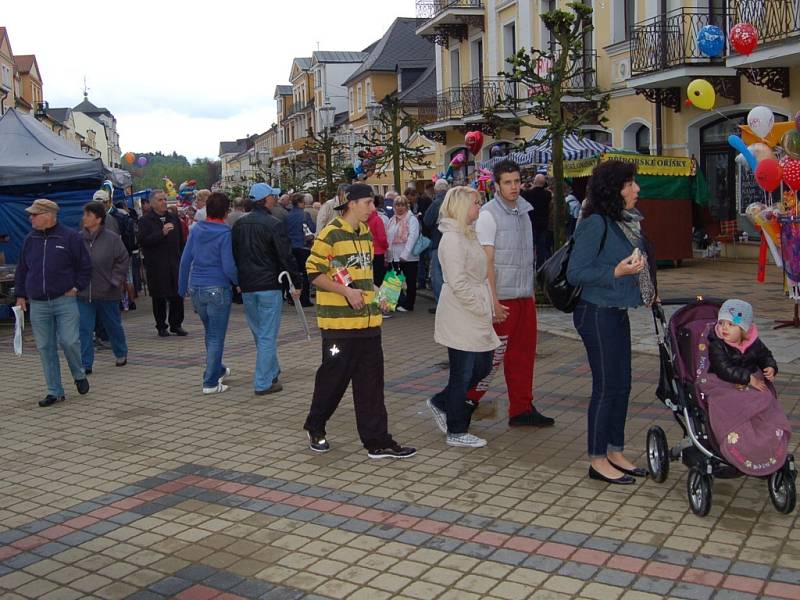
(395, 130)
(562, 90)
(206, 172)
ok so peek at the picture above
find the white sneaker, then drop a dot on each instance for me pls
(216, 390)
(401, 309)
(387, 315)
(465, 440)
(227, 373)
(438, 415)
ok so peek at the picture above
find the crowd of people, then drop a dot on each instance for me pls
(480, 259)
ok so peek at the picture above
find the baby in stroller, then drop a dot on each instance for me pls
(747, 421)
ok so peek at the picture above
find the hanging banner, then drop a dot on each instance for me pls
(577, 168)
(654, 165)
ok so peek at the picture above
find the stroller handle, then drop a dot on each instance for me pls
(682, 301)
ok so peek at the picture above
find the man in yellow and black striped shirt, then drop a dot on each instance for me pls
(340, 266)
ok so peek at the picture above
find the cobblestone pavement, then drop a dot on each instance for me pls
(146, 489)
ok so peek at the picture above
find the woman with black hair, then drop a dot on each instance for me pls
(610, 261)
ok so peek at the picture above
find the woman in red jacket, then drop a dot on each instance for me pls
(378, 229)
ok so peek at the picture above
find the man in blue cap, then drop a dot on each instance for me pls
(262, 250)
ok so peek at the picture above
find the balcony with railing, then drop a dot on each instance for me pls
(664, 48)
(469, 100)
(444, 19)
(778, 25)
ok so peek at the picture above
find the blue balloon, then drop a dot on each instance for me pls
(738, 144)
(711, 40)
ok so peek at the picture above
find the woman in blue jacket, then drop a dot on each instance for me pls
(609, 260)
(207, 272)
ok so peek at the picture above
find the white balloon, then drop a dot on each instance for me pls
(761, 120)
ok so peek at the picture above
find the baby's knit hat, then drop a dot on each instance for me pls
(737, 312)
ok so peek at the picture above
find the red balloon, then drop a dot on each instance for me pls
(743, 38)
(769, 173)
(473, 141)
(791, 174)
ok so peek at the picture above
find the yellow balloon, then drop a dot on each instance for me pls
(701, 93)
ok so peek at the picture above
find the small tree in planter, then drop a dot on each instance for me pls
(562, 92)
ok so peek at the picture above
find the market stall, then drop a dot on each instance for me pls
(669, 186)
(36, 163)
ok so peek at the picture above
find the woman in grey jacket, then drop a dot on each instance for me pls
(610, 262)
(100, 299)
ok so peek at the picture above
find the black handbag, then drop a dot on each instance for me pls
(552, 276)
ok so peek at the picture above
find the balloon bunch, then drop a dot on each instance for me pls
(130, 158)
(484, 182)
(367, 161)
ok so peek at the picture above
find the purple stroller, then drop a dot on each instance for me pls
(681, 364)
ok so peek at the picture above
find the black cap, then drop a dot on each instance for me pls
(355, 191)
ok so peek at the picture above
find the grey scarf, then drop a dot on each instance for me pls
(631, 226)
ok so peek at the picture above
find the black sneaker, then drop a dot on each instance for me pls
(87, 370)
(50, 400)
(82, 385)
(318, 443)
(180, 331)
(531, 419)
(396, 451)
(163, 333)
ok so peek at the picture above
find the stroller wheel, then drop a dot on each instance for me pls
(698, 488)
(657, 454)
(782, 490)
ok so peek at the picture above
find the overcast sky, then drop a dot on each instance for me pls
(183, 75)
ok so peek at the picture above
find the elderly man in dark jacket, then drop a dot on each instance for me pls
(161, 241)
(100, 299)
(53, 267)
(262, 250)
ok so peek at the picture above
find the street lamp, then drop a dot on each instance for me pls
(291, 153)
(373, 111)
(327, 113)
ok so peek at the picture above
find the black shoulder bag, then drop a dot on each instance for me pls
(552, 276)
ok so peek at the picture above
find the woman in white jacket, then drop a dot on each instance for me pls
(463, 315)
(402, 234)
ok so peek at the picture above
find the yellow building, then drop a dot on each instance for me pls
(645, 53)
(399, 63)
(7, 70)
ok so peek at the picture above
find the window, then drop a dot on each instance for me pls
(476, 59)
(350, 98)
(6, 76)
(546, 6)
(455, 69)
(630, 17)
(368, 83)
(358, 98)
(509, 40)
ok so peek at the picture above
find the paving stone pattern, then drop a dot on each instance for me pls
(145, 488)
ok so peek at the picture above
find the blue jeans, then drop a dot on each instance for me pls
(56, 322)
(437, 279)
(263, 312)
(213, 306)
(466, 370)
(422, 273)
(606, 334)
(111, 320)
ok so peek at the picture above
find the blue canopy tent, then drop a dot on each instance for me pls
(36, 163)
(541, 151)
